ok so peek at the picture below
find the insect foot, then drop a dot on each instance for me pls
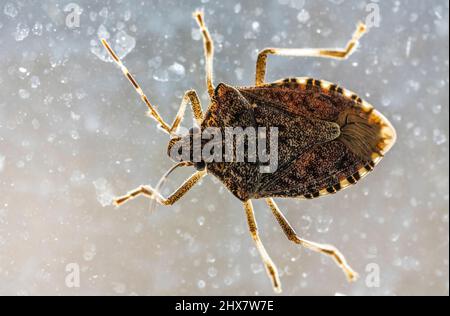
(352, 276)
(142, 190)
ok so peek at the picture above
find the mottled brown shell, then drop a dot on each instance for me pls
(314, 159)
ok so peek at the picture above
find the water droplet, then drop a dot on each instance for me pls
(155, 62)
(74, 134)
(303, 16)
(124, 44)
(407, 263)
(196, 34)
(413, 17)
(89, 252)
(201, 220)
(255, 26)
(212, 272)
(22, 31)
(103, 12)
(239, 73)
(257, 268)
(305, 222)
(237, 8)
(161, 75)
(395, 237)
(35, 124)
(234, 246)
(210, 258)
(439, 137)
(228, 281)
(201, 284)
(415, 85)
(102, 32)
(10, 10)
(297, 4)
(77, 176)
(2, 163)
(176, 72)
(75, 116)
(127, 15)
(104, 192)
(37, 29)
(35, 82)
(323, 223)
(119, 288)
(386, 101)
(24, 94)
(437, 109)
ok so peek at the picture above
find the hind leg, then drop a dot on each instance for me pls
(325, 249)
(192, 97)
(261, 63)
(268, 263)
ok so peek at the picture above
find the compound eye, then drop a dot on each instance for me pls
(200, 166)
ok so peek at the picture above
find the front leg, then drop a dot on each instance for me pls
(152, 194)
(189, 96)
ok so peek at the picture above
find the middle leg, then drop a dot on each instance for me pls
(325, 249)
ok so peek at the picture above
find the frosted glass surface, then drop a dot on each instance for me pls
(73, 133)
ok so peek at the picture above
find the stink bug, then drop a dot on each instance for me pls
(329, 139)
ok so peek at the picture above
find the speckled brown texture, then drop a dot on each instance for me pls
(231, 109)
(311, 151)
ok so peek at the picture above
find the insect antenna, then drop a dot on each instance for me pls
(152, 111)
(162, 181)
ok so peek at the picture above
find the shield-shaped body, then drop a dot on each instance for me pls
(328, 137)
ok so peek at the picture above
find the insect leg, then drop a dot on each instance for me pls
(197, 111)
(209, 51)
(325, 249)
(152, 111)
(152, 194)
(307, 52)
(268, 263)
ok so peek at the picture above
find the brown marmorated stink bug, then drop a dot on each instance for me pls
(328, 139)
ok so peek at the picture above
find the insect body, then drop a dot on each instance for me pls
(328, 139)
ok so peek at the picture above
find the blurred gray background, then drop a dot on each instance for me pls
(73, 133)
